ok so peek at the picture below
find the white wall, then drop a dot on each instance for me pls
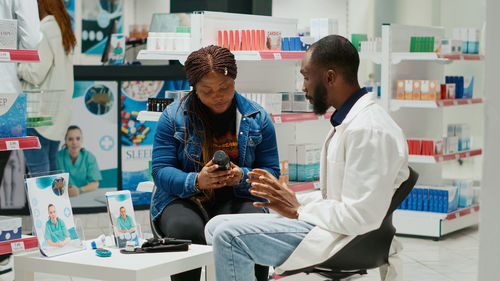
(489, 231)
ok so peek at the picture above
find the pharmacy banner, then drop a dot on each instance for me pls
(95, 112)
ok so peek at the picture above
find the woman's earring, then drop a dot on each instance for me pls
(225, 71)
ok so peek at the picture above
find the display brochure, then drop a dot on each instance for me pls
(121, 214)
(52, 215)
(116, 53)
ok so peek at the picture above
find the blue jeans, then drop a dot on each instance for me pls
(242, 240)
(43, 159)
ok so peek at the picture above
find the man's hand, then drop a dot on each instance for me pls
(281, 198)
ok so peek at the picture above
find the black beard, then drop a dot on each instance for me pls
(320, 105)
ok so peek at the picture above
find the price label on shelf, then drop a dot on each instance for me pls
(17, 247)
(12, 145)
(277, 56)
(4, 56)
(277, 119)
(316, 185)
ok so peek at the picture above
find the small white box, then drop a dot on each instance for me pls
(451, 145)
(10, 228)
(451, 130)
(408, 86)
(286, 101)
(8, 34)
(308, 158)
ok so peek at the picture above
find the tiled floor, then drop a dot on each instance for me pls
(453, 258)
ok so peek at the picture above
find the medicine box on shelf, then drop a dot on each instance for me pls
(10, 228)
(13, 115)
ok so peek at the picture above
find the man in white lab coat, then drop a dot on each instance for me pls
(364, 159)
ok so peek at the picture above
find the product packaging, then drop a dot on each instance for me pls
(13, 115)
(8, 34)
(10, 228)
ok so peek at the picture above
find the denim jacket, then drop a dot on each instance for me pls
(174, 173)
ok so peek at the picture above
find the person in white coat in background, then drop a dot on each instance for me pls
(54, 76)
(12, 162)
(364, 159)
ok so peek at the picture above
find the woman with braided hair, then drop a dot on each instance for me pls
(213, 116)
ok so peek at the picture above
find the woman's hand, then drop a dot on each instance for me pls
(235, 175)
(210, 178)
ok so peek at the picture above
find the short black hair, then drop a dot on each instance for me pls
(336, 52)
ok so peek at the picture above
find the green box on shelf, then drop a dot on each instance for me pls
(357, 38)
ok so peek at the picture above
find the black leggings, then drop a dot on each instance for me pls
(183, 219)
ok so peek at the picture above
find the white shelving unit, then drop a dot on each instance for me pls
(423, 119)
(434, 225)
(258, 72)
(277, 119)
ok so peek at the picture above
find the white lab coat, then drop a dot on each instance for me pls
(363, 162)
(28, 38)
(53, 72)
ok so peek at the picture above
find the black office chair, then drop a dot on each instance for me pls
(366, 251)
(157, 233)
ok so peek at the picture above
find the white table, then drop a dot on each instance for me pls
(121, 267)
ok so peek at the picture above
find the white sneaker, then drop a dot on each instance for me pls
(7, 269)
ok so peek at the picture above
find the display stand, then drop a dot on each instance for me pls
(423, 119)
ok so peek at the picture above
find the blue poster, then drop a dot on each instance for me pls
(137, 136)
(100, 19)
(95, 113)
(70, 8)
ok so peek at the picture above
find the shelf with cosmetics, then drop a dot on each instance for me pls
(433, 159)
(238, 55)
(396, 104)
(398, 57)
(277, 119)
(11, 55)
(435, 225)
(412, 85)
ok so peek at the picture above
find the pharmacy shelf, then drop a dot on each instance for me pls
(396, 104)
(446, 58)
(375, 57)
(238, 55)
(432, 159)
(303, 186)
(277, 119)
(7, 55)
(26, 242)
(30, 142)
(149, 115)
(298, 117)
(434, 224)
